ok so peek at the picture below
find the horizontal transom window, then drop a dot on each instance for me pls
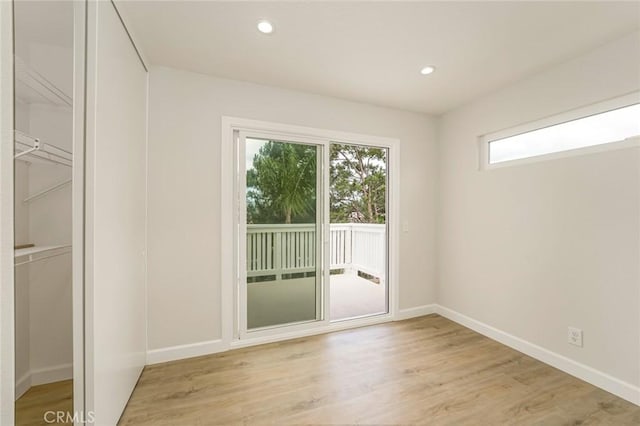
(606, 127)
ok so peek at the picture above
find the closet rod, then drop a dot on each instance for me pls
(46, 191)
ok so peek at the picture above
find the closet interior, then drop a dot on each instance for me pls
(43, 208)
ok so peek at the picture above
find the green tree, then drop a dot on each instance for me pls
(281, 186)
(358, 184)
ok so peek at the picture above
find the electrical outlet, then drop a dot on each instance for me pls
(574, 336)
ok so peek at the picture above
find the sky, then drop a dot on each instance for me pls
(610, 126)
(252, 148)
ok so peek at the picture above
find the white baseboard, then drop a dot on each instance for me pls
(590, 375)
(53, 374)
(174, 353)
(43, 376)
(23, 384)
(418, 311)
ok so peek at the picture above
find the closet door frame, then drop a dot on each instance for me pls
(7, 323)
(78, 209)
(232, 333)
(7, 283)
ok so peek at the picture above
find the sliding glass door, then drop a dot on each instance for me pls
(358, 231)
(312, 243)
(283, 211)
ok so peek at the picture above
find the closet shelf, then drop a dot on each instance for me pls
(34, 254)
(28, 148)
(32, 86)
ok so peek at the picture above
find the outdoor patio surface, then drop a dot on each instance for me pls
(353, 296)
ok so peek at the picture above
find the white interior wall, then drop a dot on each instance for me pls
(535, 248)
(184, 191)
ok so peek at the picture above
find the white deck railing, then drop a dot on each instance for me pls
(289, 249)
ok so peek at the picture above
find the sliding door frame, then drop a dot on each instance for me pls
(320, 258)
(233, 335)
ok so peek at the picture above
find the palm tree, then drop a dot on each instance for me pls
(282, 184)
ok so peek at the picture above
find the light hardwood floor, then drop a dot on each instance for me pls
(427, 370)
(32, 406)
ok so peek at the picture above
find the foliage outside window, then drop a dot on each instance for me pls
(281, 183)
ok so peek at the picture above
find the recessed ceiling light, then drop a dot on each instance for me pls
(427, 70)
(265, 27)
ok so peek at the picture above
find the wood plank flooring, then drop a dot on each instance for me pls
(32, 406)
(427, 370)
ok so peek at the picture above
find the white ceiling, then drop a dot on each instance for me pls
(45, 22)
(372, 51)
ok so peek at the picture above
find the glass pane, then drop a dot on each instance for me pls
(611, 126)
(358, 231)
(283, 279)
